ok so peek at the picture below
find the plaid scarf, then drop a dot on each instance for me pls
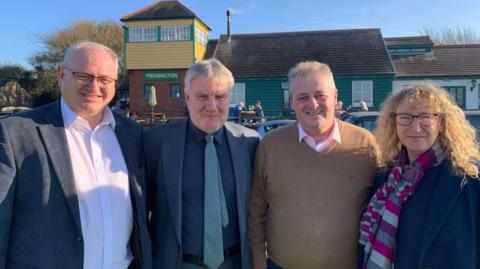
(378, 226)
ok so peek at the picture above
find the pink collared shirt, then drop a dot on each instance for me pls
(322, 145)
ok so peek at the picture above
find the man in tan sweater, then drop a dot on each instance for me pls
(311, 181)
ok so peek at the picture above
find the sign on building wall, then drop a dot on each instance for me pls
(161, 75)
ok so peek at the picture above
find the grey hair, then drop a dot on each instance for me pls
(88, 44)
(304, 69)
(211, 68)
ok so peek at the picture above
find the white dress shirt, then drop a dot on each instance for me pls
(322, 145)
(101, 181)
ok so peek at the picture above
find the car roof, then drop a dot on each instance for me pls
(472, 112)
(364, 113)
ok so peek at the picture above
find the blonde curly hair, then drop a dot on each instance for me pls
(457, 136)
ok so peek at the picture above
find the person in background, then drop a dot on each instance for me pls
(339, 111)
(311, 181)
(425, 208)
(72, 176)
(238, 111)
(363, 106)
(198, 174)
(259, 116)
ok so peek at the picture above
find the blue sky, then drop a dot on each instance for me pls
(22, 21)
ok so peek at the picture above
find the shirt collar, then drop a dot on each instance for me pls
(334, 134)
(199, 135)
(69, 116)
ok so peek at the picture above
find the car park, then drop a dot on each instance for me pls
(265, 127)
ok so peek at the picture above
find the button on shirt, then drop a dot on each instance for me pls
(101, 181)
(322, 145)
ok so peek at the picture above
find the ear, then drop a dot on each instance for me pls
(60, 75)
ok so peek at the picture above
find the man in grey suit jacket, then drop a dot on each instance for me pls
(72, 177)
(177, 163)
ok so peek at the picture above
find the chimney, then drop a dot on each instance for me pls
(228, 25)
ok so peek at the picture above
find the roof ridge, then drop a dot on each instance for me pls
(302, 32)
(457, 46)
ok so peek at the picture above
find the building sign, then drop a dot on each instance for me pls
(161, 75)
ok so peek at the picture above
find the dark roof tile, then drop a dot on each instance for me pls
(347, 52)
(161, 10)
(444, 60)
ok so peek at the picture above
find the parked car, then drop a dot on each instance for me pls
(265, 127)
(10, 110)
(365, 119)
(368, 119)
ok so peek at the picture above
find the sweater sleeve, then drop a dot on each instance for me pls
(258, 210)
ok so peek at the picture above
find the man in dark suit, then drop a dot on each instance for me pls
(72, 177)
(195, 225)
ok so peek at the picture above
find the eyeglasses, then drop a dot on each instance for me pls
(425, 119)
(88, 78)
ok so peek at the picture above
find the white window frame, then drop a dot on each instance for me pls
(200, 36)
(237, 94)
(175, 33)
(142, 34)
(362, 90)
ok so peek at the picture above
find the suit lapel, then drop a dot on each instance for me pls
(445, 194)
(55, 141)
(128, 145)
(240, 161)
(172, 165)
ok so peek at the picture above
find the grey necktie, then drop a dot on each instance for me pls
(215, 209)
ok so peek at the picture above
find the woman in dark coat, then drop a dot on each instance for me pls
(425, 207)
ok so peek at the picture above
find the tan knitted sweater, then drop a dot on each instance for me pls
(306, 205)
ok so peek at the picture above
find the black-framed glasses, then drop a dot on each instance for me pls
(425, 119)
(88, 78)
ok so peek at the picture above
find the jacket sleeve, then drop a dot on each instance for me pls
(7, 190)
(257, 211)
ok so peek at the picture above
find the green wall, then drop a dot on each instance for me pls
(269, 91)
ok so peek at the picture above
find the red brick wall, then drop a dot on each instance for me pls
(164, 104)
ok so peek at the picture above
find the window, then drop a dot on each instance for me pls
(200, 37)
(174, 91)
(362, 90)
(175, 33)
(146, 91)
(238, 93)
(458, 94)
(285, 85)
(142, 34)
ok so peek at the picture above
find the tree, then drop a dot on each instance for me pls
(109, 34)
(21, 75)
(452, 36)
(45, 63)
